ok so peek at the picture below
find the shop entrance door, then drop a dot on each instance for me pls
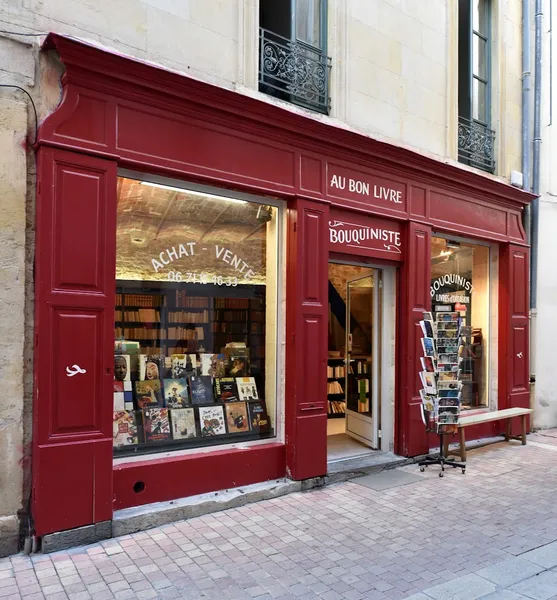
(363, 310)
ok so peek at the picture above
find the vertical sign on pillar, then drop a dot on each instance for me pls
(306, 354)
(74, 320)
(514, 367)
(415, 286)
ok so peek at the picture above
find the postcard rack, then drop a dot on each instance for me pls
(441, 393)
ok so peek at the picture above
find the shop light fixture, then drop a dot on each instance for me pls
(193, 192)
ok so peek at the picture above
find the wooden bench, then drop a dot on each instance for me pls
(487, 417)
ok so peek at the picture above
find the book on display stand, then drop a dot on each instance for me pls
(441, 389)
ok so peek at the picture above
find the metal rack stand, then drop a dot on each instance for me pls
(441, 460)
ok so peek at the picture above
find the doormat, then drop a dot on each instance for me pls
(387, 479)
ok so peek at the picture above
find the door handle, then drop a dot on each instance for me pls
(520, 355)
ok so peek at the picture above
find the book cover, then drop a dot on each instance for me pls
(132, 350)
(156, 424)
(117, 386)
(150, 367)
(258, 417)
(428, 364)
(428, 381)
(211, 420)
(124, 428)
(122, 371)
(183, 423)
(427, 328)
(237, 419)
(209, 364)
(119, 401)
(176, 393)
(201, 389)
(148, 393)
(247, 390)
(183, 365)
(226, 389)
(428, 346)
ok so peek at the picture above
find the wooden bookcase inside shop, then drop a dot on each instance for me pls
(177, 318)
(342, 386)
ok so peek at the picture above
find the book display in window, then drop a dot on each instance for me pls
(226, 389)
(124, 428)
(183, 423)
(201, 390)
(148, 393)
(237, 420)
(168, 384)
(211, 420)
(176, 393)
(156, 424)
(259, 419)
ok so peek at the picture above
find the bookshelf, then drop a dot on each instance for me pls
(177, 318)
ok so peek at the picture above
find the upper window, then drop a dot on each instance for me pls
(293, 63)
(475, 137)
(195, 319)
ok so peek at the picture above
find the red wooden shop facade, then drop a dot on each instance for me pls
(120, 113)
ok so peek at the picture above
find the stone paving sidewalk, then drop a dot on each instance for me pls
(415, 535)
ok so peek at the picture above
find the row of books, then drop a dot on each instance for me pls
(178, 316)
(183, 333)
(162, 424)
(229, 315)
(184, 301)
(336, 371)
(147, 315)
(140, 333)
(144, 300)
(337, 407)
(237, 303)
(334, 387)
(183, 392)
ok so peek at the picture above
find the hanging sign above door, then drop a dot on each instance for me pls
(352, 233)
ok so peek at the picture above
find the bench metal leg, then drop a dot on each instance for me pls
(523, 430)
(508, 431)
(462, 444)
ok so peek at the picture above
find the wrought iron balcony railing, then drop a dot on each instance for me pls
(293, 71)
(476, 145)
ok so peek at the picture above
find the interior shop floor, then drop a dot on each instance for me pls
(341, 447)
(490, 534)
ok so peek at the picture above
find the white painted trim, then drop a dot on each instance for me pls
(388, 360)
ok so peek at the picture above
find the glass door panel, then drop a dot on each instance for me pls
(362, 358)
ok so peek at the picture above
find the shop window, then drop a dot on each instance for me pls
(461, 287)
(293, 62)
(475, 137)
(195, 352)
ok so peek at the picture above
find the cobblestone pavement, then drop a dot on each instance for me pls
(488, 534)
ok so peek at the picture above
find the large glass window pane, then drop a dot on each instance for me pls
(479, 100)
(480, 22)
(479, 56)
(460, 287)
(308, 22)
(196, 317)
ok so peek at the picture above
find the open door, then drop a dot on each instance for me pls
(363, 311)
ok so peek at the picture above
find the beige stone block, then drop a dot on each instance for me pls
(200, 48)
(124, 21)
(424, 103)
(423, 134)
(180, 8)
(374, 46)
(364, 11)
(400, 26)
(421, 69)
(435, 46)
(374, 116)
(432, 13)
(220, 16)
(374, 81)
(16, 59)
